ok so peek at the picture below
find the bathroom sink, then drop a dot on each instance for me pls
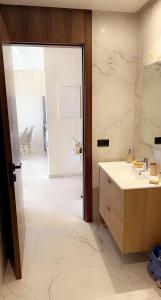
(138, 173)
(126, 176)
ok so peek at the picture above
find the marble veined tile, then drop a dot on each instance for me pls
(114, 61)
(66, 258)
(148, 294)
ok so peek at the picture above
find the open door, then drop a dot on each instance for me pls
(15, 225)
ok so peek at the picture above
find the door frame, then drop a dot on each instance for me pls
(87, 126)
(49, 26)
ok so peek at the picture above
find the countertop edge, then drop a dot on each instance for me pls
(125, 188)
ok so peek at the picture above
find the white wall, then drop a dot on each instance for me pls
(29, 88)
(114, 73)
(28, 57)
(149, 51)
(28, 64)
(63, 66)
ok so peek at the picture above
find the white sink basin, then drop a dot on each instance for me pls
(126, 176)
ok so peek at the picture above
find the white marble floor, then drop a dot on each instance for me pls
(66, 258)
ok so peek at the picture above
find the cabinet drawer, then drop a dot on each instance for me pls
(112, 193)
(105, 181)
(114, 223)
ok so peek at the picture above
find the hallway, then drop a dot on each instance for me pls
(45, 198)
(66, 258)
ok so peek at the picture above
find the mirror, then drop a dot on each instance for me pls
(150, 131)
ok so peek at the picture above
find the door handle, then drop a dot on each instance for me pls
(12, 175)
(14, 167)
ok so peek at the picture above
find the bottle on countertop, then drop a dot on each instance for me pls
(159, 176)
(153, 169)
(130, 156)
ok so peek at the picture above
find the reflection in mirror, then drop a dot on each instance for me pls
(150, 131)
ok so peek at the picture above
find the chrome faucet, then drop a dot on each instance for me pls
(146, 165)
(145, 161)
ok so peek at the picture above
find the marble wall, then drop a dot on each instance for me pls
(149, 51)
(114, 74)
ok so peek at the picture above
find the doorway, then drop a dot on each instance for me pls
(48, 90)
(50, 30)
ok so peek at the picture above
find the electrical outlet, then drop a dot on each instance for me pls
(157, 141)
(102, 143)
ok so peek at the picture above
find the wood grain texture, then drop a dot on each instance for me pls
(15, 187)
(4, 153)
(87, 116)
(142, 219)
(52, 26)
(3, 209)
(112, 219)
(133, 216)
(12, 196)
(44, 25)
(112, 208)
(113, 194)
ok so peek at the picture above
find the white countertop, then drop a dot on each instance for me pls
(126, 176)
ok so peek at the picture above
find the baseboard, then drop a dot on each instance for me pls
(66, 175)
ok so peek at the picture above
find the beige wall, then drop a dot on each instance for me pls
(149, 51)
(114, 74)
(29, 88)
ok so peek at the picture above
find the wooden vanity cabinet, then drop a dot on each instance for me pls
(132, 216)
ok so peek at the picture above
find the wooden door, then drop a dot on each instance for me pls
(10, 141)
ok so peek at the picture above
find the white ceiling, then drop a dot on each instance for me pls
(107, 5)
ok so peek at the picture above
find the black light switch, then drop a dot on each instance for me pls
(157, 141)
(102, 143)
